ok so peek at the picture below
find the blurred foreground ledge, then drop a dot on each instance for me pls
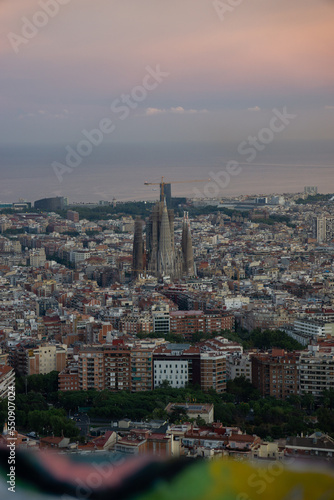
(45, 474)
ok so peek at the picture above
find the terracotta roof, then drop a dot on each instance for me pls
(51, 440)
(5, 369)
(242, 437)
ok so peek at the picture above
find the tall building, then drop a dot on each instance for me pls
(275, 374)
(187, 248)
(213, 371)
(138, 248)
(162, 258)
(323, 228)
(161, 320)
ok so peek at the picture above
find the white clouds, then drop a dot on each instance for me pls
(178, 110)
(42, 113)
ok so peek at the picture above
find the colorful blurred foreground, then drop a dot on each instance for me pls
(49, 475)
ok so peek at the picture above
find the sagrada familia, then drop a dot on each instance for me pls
(162, 258)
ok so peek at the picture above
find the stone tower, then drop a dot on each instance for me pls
(187, 248)
(138, 248)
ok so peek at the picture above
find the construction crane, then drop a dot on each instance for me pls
(163, 183)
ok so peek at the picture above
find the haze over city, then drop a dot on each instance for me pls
(166, 249)
(224, 73)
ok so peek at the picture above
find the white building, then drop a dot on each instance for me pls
(79, 256)
(313, 328)
(175, 371)
(236, 302)
(161, 320)
(316, 372)
(37, 257)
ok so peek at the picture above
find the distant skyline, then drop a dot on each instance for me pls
(225, 76)
(120, 171)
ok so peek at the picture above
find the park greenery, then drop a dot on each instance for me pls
(144, 208)
(41, 408)
(175, 338)
(274, 219)
(256, 339)
(264, 339)
(312, 199)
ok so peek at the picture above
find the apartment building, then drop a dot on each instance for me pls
(32, 359)
(45, 359)
(144, 367)
(186, 323)
(91, 369)
(215, 323)
(276, 374)
(141, 369)
(213, 371)
(316, 372)
(116, 368)
(323, 228)
(68, 379)
(313, 328)
(161, 319)
(179, 364)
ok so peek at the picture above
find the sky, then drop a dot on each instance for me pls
(226, 66)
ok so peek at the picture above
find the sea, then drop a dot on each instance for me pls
(119, 171)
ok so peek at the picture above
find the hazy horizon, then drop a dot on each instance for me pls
(177, 85)
(120, 170)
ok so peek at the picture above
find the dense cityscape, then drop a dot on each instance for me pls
(185, 327)
(166, 250)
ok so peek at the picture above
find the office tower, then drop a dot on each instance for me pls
(138, 248)
(187, 248)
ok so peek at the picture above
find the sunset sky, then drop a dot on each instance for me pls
(225, 75)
